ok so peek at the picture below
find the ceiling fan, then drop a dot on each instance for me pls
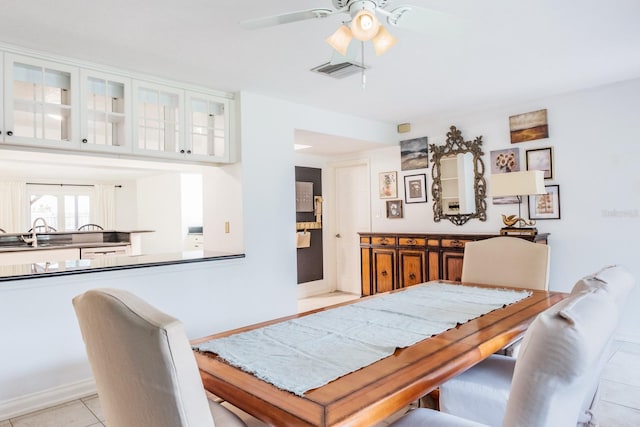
(363, 24)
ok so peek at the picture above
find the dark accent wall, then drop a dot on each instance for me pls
(310, 259)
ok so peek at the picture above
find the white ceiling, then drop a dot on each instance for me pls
(498, 51)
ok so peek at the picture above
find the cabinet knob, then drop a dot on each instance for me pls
(383, 273)
(412, 276)
(181, 151)
(188, 151)
(457, 243)
(384, 241)
(85, 140)
(411, 242)
(10, 133)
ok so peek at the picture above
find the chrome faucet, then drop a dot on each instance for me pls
(33, 240)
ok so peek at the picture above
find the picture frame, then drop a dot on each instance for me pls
(394, 209)
(414, 153)
(541, 159)
(529, 126)
(415, 188)
(388, 185)
(545, 206)
(505, 161)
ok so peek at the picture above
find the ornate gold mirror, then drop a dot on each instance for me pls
(458, 187)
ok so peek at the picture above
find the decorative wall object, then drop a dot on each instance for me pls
(541, 159)
(304, 196)
(529, 126)
(414, 154)
(505, 161)
(545, 206)
(388, 185)
(394, 208)
(415, 188)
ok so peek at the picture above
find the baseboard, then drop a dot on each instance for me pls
(45, 399)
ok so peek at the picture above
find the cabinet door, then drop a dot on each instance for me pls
(105, 115)
(159, 120)
(452, 265)
(207, 135)
(384, 269)
(412, 267)
(365, 271)
(41, 103)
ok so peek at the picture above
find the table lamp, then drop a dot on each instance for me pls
(518, 184)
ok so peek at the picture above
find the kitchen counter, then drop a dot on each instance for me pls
(12, 242)
(78, 266)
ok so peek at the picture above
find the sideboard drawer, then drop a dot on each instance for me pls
(454, 243)
(384, 241)
(412, 241)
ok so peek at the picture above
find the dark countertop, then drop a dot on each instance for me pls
(62, 268)
(12, 242)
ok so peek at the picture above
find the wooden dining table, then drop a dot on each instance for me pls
(377, 391)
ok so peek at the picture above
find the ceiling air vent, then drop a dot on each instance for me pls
(340, 70)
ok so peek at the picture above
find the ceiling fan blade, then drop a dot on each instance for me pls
(352, 53)
(423, 20)
(286, 18)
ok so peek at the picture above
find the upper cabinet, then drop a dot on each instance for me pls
(40, 102)
(61, 106)
(105, 119)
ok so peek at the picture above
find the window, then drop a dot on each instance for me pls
(64, 208)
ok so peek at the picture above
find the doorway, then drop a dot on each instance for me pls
(353, 215)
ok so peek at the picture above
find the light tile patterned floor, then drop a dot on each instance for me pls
(619, 404)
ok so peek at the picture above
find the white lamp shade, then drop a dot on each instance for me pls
(365, 25)
(340, 40)
(383, 41)
(517, 184)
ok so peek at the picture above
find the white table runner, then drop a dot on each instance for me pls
(308, 352)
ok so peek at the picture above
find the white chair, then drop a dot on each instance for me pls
(481, 392)
(508, 261)
(143, 365)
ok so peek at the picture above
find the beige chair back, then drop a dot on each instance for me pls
(508, 261)
(142, 362)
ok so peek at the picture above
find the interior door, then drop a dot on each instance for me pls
(353, 215)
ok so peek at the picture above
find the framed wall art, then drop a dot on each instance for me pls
(541, 159)
(394, 208)
(415, 188)
(505, 161)
(545, 206)
(388, 185)
(414, 154)
(529, 126)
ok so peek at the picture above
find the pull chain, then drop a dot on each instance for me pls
(364, 77)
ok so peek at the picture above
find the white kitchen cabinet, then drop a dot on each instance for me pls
(207, 128)
(105, 115)
(159, 120)
(40, 103)
(39, 256)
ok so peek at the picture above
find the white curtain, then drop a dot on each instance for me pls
(104, 212)
(13, 206)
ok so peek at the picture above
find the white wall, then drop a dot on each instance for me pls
(42, 360)
(595, 135)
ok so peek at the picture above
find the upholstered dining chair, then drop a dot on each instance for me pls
(481, 393)
(508, 261)
(143, 365)
(564, 349)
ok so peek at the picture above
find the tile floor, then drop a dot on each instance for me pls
(619, 404)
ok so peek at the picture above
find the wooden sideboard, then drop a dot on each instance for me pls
(397, 260)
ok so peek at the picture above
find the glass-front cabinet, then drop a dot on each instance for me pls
(41, 102)
(106, 112)
(207, 127)
(158, 120)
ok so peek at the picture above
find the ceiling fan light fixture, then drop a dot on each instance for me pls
(365, 25)
(383, 41)
(340, 40)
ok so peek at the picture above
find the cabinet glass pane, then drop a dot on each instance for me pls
(158, 125)
(42, 102)
(105, 104)
(207, 127)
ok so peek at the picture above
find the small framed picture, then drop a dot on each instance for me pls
(541, 159)
(388, 185)
(545, 206)
(394, 208)
(415, 188)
